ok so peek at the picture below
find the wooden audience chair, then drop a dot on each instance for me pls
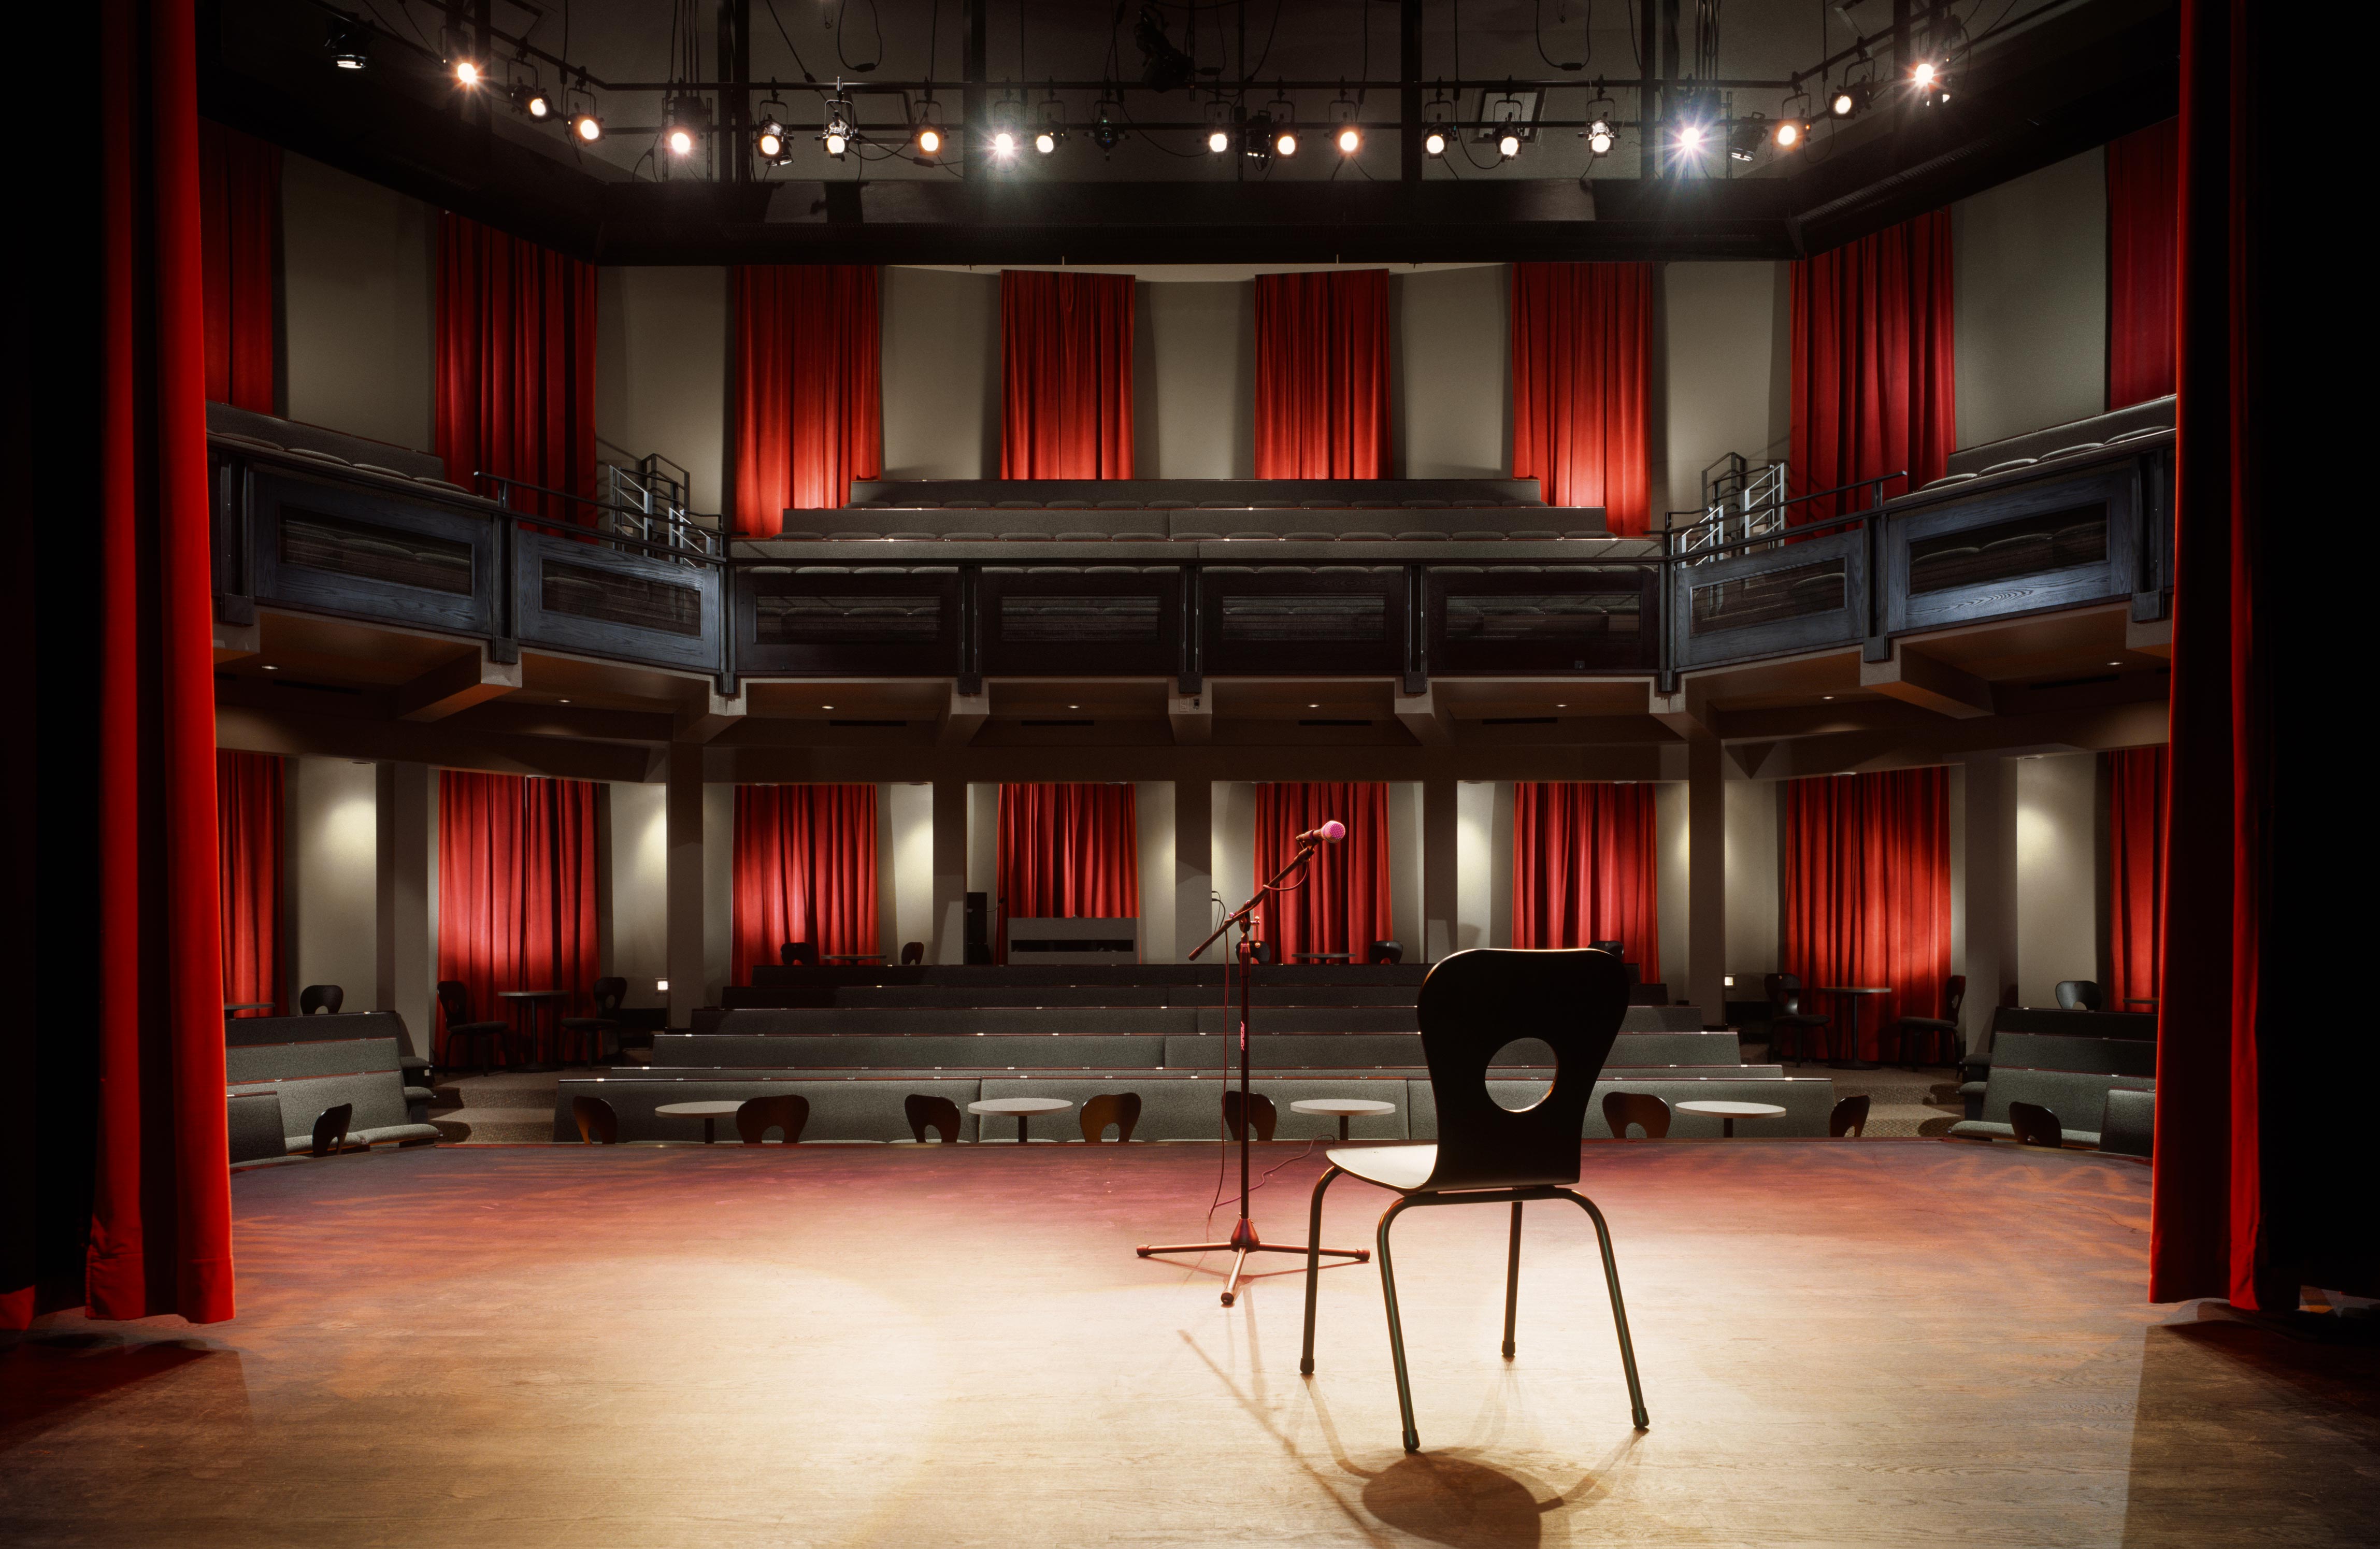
(925, 1111)
(1119, 1109)
(2036, 1125)
(1260, 1108)
(611, 992)
(598, 1125)
(325, 998)
(789, 1112)
(454, 1000)
(1643, 1109)
(1471, 1005)
(330, 1129)
(1849, 1117)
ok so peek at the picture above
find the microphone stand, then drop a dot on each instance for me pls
(1244, 1240)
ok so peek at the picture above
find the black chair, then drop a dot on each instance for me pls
(798, 954)
(1265, 1117)
(325, 998)
(610, 991)
(2129, 1127)
(2080, 995)
(913, 953)
(789, 1113)
(598, 1125)
(1616, 948)
(1119, 1109)
(1849, 1117)
(2036, 1125)
(1471, 1005)
(1643, 1109)
(1789, 1024)
(1939, 1035)
(1385, 951)
(455, 1000)
(925, 1111)
(330, 1129)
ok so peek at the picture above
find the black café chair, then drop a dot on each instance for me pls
(597, 1123)
(1260, 1111)
(1471, 1005)
(611, 991)
(798, 954)
(2036, 1125)
(2080, 995)
(913, 953)
(1849, 1117)
(330, 1129)
(1643, 1109)
(1790, 1029)
(455, 1000)
(1938, 1036)
(925, 1111)
(789, 1112)
(324, 999)
(1121, 1110)
(1386, 952)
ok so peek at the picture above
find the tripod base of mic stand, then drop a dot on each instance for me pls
(1244, 1242)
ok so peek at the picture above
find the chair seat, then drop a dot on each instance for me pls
(1401, 1167)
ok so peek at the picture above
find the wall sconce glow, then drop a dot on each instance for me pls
(660, 985)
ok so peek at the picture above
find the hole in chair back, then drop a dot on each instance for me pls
(1515, 1093)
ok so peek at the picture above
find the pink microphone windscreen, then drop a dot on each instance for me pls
(1333, 830)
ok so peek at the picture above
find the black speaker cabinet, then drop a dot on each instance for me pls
(979, 928)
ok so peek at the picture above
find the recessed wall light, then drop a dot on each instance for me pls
(1825, 697)
(270, 668)
(1074, 706)
(826, 707)
(2115, 664)
(565, 701)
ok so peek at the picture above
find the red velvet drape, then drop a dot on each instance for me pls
(1582, 353)
(1343, 905)
(1067, 851)
(1867, 895)
(248, 828)
(516, 365)
(809, 409)
(1585, 868)
(2136, 779)
(1065, 371)
(804, 871)
(240, 192)
(1322, 375)
(516, 887)
(1874, 384)
(2144, 168)
(160, 1231)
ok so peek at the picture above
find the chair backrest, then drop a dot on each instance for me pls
(326, 998)
(788, 1111)
(1643, 1109)
(798, 954)
(2129, 1126)
(454, 1000)
(2079, 995)
(1386, 951)
(1119, 1109)
(1261, 1111)
(2036, 1125)
(1617, 948)
(1784, 991)
(925, 1111)
(598, 1125)
(912, 953)
(1471, 1006)
(331, 1128)
(1954, 997)
(611, 993)
(1849, 1117)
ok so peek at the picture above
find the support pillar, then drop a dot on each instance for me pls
(948, 944)
(1440, 896)
(682, 823)
(1991, 964)
(1706, 982)
(404, 901)
(1194, 866)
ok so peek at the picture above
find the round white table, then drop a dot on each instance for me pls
(1728, 1113)
(708, 1112)
(1344, 1108)
(1022, 1108)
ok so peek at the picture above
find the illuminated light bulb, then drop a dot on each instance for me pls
(929, 141)
(1600, 138)
(1005, 142)
(540, 105)
(467, 72)
(836, 144)
(1434, 143)
(1218, 141)
(1840, 104)
(1690, 138)
(681, 142)
(1285, 143)
(1045, 142)
(1350, 140)
(587, 127)
(1508, 145)
(1788, 134)
(1924, 74)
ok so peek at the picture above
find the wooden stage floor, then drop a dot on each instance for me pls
(1842, 1343)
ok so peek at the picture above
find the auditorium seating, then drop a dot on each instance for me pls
(2072, 1077)
(307, 1076)
(2124, 427)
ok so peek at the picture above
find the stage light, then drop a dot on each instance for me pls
(586, 128)
(1108, 135)
(927, 135)
(1790, 133)
(1851, 99)
(769, 142)
(1053, 114)
(467, 72)
(680, 140)
(1434, 143)
(682, 126)
(1285, 142)
(1932, 81)
(1690, 139)
(1600, 138)
(1743, 140)
(1004, 142)
(930, 141)
(1507, 144)
(349, 44)
(1437, 125)
(1218, 140)
(1924, 74)
(1046, 141)
(1351, 140)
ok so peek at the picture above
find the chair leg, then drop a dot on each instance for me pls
(1314, 1267)
(1513, 1282)
(1397, 1329)
(1619, 1310)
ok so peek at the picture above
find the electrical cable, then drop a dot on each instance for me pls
(1537, 25)
(796, 52)
(875, 21)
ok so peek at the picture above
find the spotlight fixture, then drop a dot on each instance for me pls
(1690, 139)
(1108, 134)
(770, 142)
(532, 101)
(841, 125)
(1218, 140)
(1280, 113)
(684, 121)
(1284, 142)
(1932, 80)
(1006, 136)
(1599, 133)
(1790, 133)
(1508, 119)
(584, 127)
(1218, 125)
(1348, 136)
(349, 44)
(1433, 142)
(1507, 144)
(1437, 125)
(930, 141)
(467, 72)
(1052, 128)
(1851, 99)
(1745, 137)
(929, 136)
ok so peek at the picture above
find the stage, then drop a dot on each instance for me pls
(1842, 1342)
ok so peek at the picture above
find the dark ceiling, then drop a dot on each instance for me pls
(2038, 82)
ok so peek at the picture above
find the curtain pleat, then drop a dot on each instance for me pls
(1322, 374)
(1342, 903)
(1067, 851)
(1874, 374)
(804, 871)
(1585, 869)
(1867, 895)
(1066, 354)
(516, 367)
(240, 197)
(1582, 353)
(2144, 198)
(2136, 779)
(516, 887)
(247, 825)
(808, 400)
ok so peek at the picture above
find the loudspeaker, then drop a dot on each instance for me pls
(979, 928)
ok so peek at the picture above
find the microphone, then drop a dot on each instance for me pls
(1330, 833)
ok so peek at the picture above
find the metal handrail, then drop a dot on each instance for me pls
(1824, 523)
(706, 548)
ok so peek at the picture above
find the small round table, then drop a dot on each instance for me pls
(1852, 1020)
(708, 1112)
(1344, 1108)
(534, 1005)
(1728, 1113)
(1022, 1108)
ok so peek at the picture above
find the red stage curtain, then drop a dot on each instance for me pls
(516, 887)
(1343, 903)
(2135, 871)
(2142, 193)
(1065, 369)
(247, 826)
(804, 871)
(239, 196)
(516, 365)
(1875, 391)
(1585, 868)
(1582, 348)
(1067, 852)
(157, 1238)
(1867, 895)
(1322, 375)
(809, 411)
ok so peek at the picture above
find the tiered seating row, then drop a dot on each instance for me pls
(283, 1072)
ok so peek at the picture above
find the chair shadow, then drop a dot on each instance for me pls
(1446, 1498)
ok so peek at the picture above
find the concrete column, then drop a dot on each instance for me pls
(1992, 959)
(948, 944)
(405, 905)
(1705, 976)
(888, 877)
(1194, 865)
(1440, 890)
(684, 820)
